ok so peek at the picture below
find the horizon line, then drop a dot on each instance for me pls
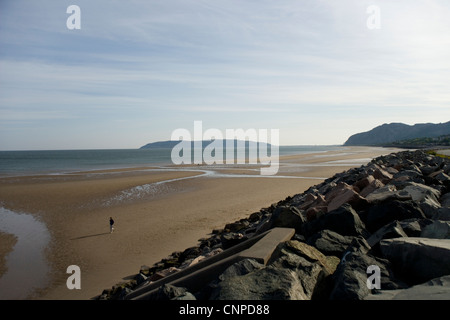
(139, 148)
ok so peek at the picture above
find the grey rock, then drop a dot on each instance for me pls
(299, 273)
(241, 268)
(446, 169)
(435, 289)
(445, 200)
(426, 196)
(343, 220)
(388, 192)
(413, 227)
(409, 175)
(124, 292)
(237, 226)
(417, 260)
(330, 243)
(382, 175)
(309, 253)
(231, 239)
(383, 213)
(437, 230)
(269, 283)
(363, 182)
(442, 214)
(358, 245)
(144, 270)
(349, 196)
(287, 217)
(391, 230)
(170, 292)
(140, 278)
(185, 296)
(312, 275)
(350, 278)
(427, 170)
(374, 185)
(443, 178)
(419, 191)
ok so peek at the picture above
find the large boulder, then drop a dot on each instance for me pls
(385, 212)
(435, 289)
(442, 214)
(414, 227)
(237, 226)
(270, 283)
(241, 268)
(349, 196)
(426, 196)
(310, 253)
(417, 260)
(445, 200)
(409, 175)
(442, 178)
(383, 175)
(344, 193)
(287, 217)
(311, 275)
(351, 277)
(437, 230)
(330, 243)
(170, 292)
(343, 220)
(371, 187)
(363, 182)
(300, 272)
(391, 230)
(387, 192)
(231, 239)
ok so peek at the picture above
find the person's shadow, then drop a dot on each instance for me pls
(91, 235)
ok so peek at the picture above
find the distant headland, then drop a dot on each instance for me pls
(173, 143)
(420, 135)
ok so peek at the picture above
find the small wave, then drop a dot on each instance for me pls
(152, 189)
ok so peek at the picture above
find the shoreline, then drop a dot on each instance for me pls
(178, 209)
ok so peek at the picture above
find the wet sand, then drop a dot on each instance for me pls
(7, 241)
(156, 211)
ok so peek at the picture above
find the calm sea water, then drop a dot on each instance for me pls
(63, 161)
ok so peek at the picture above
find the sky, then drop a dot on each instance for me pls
(135, 71)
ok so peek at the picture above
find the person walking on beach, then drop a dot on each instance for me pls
(111, 224)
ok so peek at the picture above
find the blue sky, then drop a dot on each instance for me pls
(138, 70)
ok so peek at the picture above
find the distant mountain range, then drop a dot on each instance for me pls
(172, 143)
(394, 133)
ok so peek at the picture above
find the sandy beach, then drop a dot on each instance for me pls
(157, 211)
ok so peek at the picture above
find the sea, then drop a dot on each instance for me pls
(17, 163)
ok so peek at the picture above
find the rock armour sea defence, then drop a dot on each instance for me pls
(393, 213)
